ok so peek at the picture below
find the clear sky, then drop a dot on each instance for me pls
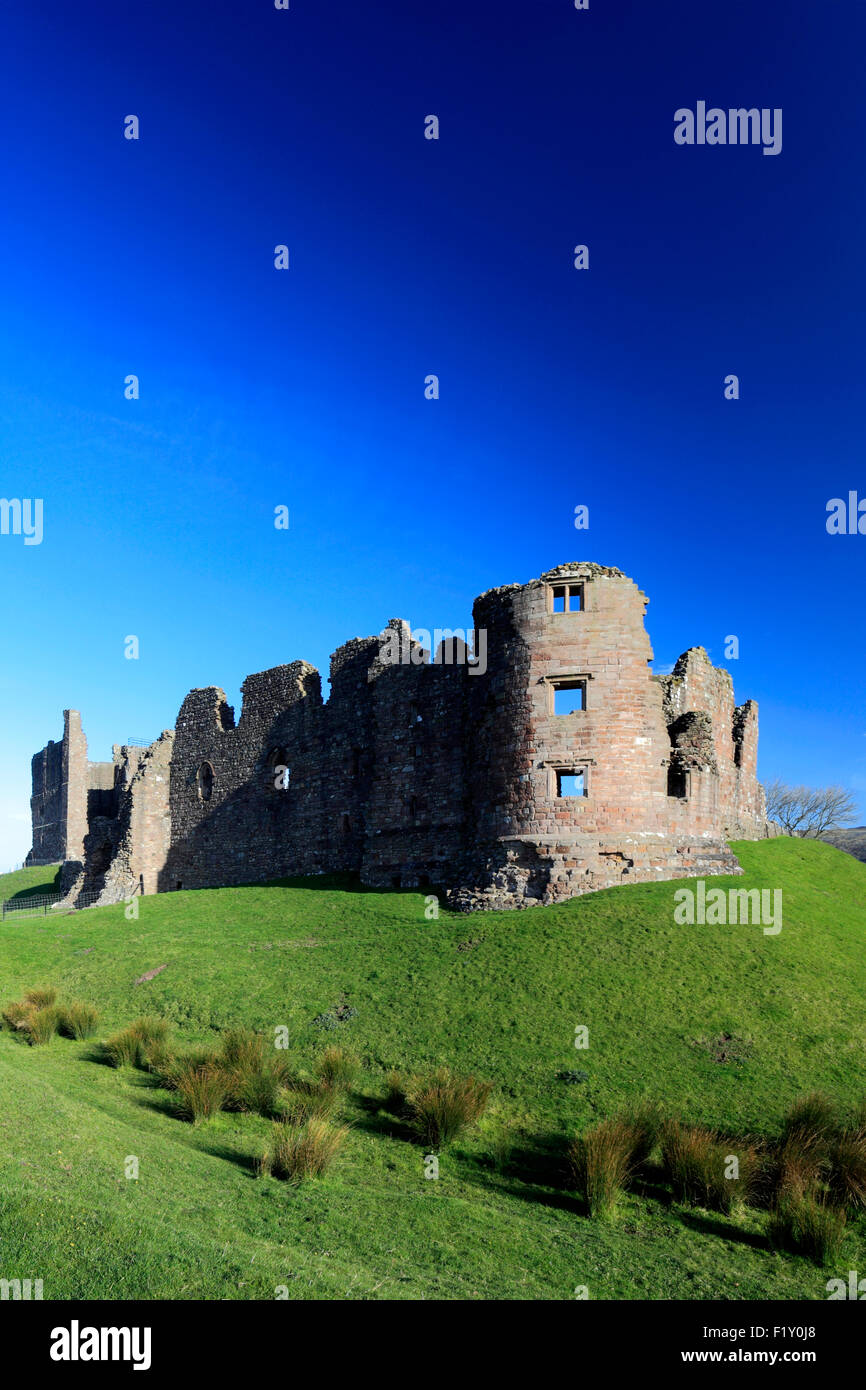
(409, 256)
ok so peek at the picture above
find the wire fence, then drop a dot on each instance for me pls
(46, 905)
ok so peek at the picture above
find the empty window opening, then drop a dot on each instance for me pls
(567, 598)
(418, 750)
(571, 784)
(204, 781)
(413, 808)
(356, 762)
(569, 696)
(278, 770)
(345, 824)
(415, 714)
(677, 781)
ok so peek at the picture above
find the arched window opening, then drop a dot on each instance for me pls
(204, 781)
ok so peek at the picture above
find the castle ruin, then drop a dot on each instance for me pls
(559, 765)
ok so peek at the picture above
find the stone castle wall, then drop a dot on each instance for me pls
(421, 769)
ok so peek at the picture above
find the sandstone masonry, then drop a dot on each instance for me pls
(561, 766)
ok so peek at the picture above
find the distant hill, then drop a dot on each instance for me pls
(852, 841)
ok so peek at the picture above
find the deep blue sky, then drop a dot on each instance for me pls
(411, 257)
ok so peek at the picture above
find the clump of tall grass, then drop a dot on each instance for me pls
(78, 1020)
(255, 1072)
(443, 1106)
(40, 998)
(705, 1170)
(337, 1068)
(255, 1089)
(296, 1154)
(646, 1122)
(395, 1097)
(16, 1013)
(241, 1047)
(201, 1093)
(134, 1045)
(309, 1100)
(42, 1024)
(814, 1113)
(807, 1226)
(800, 1162)
(603, 1161)
(846, 1176)
(170, 1068)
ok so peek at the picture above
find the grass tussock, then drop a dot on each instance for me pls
(337, 1068)
(646, 1122)
(135, 1045)
(40, 998)
(813, 1115)
(443, 1106)
(395, 1101)
(807, 1226)
(309, 1100)
(16, 1014)
(603, 1162)
(42, 1024)
(255, 1072)
(846, 1177)
(201, 1093)
(79, 1020)
(707, 1171)
(297, 1154)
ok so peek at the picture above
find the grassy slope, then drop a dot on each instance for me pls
(40, 880)
(198, 1224)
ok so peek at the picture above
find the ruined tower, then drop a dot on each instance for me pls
(556, 765)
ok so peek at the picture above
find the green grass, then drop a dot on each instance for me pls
(37, 882)
(197, 1223)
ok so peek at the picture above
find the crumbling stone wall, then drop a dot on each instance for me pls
(420, 770)
(67, 791)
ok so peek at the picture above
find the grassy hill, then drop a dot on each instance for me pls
(853, 841)
(724, 1025)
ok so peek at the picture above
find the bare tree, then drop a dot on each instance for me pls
(809, 811)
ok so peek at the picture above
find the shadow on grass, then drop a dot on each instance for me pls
(536, 1172)
(375, 1118)
(708, 1225)
(38, 890)
(215, 1149)
(98, 1052)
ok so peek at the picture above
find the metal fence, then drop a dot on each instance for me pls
(47, 905)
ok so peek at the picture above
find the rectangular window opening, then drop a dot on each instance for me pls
(569, 696)
(678, 784)
(566, 598)
(571, 784)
